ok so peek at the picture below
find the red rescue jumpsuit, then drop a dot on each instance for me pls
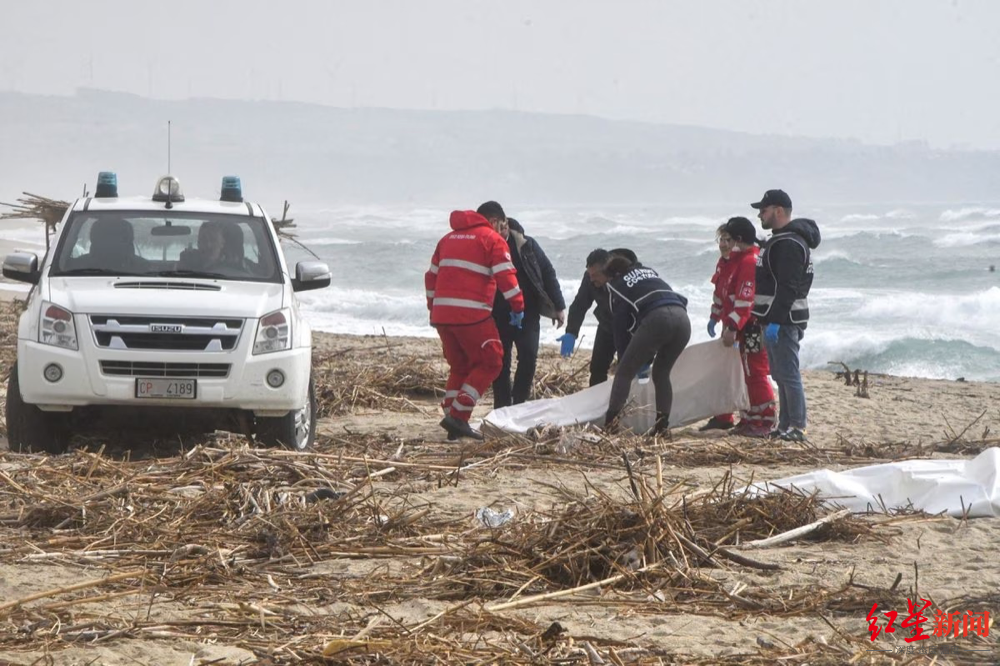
(468, 266)
(735, 285)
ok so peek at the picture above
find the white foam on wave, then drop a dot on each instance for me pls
(965, 239)
(825, 347)
(398, 306)
(859, 217)
(971, 317)
(700, 240)
(834, 294)
(832, 255)
(853, 232)
(972, 212)
(822, 346)
(31, 237)
(331, 241)
(628, 229)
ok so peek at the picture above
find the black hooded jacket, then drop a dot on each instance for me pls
(536, 275)
(634, 295)
(586, 296)
(785, 274)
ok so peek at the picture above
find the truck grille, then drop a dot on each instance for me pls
(145, 369)
(166, 333)
(193, 286)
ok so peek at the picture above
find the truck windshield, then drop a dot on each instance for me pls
(167, 244)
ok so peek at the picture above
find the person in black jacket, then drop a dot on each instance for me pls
(784, 277)
(650, 324)
(542, 297)
(592, 290)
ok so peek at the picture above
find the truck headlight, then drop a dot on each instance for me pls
(57, 327)
(274, 333)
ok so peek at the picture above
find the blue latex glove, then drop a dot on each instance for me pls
(568, 341)
(516, 319)
(711, 328)
(644, 371)
(771, 333)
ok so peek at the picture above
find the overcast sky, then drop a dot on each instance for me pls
(877, 70)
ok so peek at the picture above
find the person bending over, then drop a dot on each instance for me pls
(650, 324)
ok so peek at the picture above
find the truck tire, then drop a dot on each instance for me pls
(29, 429)
(295, 430)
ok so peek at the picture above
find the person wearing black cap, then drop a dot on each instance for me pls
(784, 277)
(593, 290)
(735, 286)
(542, 298)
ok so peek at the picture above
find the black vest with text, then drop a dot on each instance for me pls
(791, 306)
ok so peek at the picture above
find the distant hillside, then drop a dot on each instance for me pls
(316, 154)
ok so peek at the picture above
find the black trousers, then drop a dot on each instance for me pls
(604, 354)
(525, 340)
(661, 337)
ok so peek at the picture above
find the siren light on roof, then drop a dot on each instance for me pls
(232, 189)
(107, 185)
(168, 189)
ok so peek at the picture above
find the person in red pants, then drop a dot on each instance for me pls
(723, 274)
(737, 285)
(469, 264)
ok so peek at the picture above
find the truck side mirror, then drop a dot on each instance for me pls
(308, 275)
(23, 267)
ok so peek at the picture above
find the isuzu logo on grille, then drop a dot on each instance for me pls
(166, 328)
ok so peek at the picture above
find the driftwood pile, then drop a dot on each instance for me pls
(369, 378)
(9, 314)
(345, 384)
(859, 379)
(321, 557)
(304, 556)
(34, 207)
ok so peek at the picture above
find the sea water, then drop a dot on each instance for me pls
(902, 289)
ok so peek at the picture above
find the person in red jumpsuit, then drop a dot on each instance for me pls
(735, 286)
(469, 264)
(723, 267)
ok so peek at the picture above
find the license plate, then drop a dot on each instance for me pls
(173, 389)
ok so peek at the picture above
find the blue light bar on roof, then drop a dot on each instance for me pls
(107, 185)
(232, 189)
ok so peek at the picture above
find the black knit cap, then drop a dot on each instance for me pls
(741, 229)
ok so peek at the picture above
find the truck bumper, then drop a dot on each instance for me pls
(84, 379)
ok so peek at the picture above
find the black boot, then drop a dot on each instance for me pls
(611, 422)
(452, 435)
(458, 428)
(661, 428)
(716, 424)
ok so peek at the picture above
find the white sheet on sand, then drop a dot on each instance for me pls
(707, 380)
(929, 485)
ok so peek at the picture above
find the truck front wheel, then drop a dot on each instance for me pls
(29, 429)
(295, 430)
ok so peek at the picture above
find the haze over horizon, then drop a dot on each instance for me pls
(327, 155)
(885, 72)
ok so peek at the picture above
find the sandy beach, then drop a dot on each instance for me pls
(164, 551)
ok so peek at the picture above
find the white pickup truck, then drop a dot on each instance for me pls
(163, 306)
